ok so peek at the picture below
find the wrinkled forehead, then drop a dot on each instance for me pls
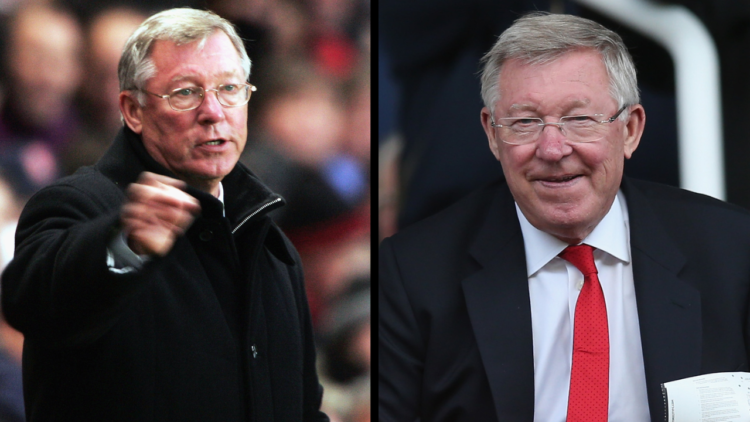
(567, 75)
(215, 52)
(547, 60)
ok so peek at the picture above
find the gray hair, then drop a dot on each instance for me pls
(180, 26)
(540, 37)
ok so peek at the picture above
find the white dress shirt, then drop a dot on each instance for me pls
(554, 285)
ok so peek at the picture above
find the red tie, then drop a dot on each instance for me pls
(589, 376)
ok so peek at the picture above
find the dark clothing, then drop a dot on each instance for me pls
(455, 318)
(217, 330)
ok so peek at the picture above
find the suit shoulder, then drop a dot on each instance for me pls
(453, 224)
(670, 197)
(692, 218)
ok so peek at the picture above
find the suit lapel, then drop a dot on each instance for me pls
(497, 298)
(669, 309)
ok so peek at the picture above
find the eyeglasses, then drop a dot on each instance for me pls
(190, 98)
(525, 130)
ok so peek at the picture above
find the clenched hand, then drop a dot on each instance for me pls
(156, 212)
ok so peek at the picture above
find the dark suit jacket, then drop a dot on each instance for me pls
(455, 319)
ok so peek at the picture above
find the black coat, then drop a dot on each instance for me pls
(217, 330)
(455, 315)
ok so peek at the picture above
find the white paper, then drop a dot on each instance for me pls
(719, 397)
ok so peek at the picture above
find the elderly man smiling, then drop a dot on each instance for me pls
(153, 286)
(566, 292)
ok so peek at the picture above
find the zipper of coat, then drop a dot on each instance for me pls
(264, 206)
(252, 339)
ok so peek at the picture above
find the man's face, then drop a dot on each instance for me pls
(563, 188)
(200, 146)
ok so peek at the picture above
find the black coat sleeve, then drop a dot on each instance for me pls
(58, 287)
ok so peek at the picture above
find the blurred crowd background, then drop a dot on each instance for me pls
(308, 139)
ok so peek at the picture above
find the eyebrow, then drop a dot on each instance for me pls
(189, 77)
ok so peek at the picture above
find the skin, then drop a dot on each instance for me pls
(563, 188)
(158, 210)
(178, 139)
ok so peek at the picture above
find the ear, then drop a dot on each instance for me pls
(490, 131)
(131, 111)
(634, 129)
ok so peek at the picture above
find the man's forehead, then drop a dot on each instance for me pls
(216, 52)
(217, 43)
(568, 103)
(567, 82)
(584, 56)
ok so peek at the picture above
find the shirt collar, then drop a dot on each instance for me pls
(221, 198)
(611, 235)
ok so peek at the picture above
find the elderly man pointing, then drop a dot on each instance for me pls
(153, 286)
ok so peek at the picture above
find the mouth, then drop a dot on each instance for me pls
(559, 181)
(212, 147)
(214, 142)
(215, 145)
(561, 178)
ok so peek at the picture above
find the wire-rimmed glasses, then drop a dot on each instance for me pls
(579, 128)
(190, 98)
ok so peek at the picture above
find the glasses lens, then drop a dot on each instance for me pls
(583, 128)
(234, 94)
(186, 98)
(230, 95)
(518, 131)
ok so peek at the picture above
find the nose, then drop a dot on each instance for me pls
(210, 111)
(552, 144)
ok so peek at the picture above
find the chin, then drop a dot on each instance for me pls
(564, 222)
(208, 176)
(215, 169)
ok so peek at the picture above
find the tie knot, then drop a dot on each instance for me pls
(582, 256)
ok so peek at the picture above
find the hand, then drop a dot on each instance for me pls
(156, 212)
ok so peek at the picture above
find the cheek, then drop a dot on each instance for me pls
(240, 124)
(496, 148)
(607, 168)
(167, 133)
(516, 157)
(515, 162)
(172, 127)
(236, 118)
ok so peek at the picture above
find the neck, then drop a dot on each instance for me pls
(210, 186)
